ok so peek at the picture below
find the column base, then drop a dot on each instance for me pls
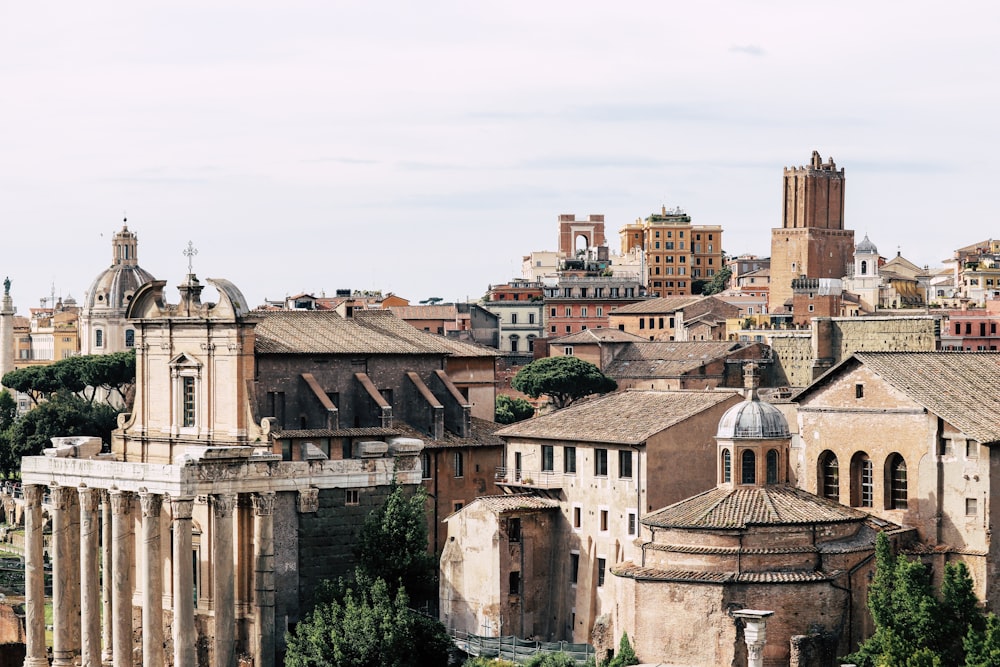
(36, 662)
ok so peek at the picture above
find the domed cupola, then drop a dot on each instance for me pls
(754, 440)
(865, 259)
(113, 288)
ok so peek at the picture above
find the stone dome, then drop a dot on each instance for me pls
(113, 288)
(866, 246)
(753, 420)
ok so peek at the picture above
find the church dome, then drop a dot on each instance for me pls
(754, 420)
(866, 246)
(113, 288)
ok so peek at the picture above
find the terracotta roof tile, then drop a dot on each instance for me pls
(633, 571)
(598, 335)
(648, 359)
(741, 507)
(660, 305)
(628, 417)
(514, 502)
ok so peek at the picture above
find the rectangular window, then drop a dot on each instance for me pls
(625, 464)
(568, 312)
(458, 505)
(514, 529)
(569, 460)
(577, 517)
(548, 458)
(633, 522)
(552, 312)
(971, 449)
(425, 465)
(583, 311)
(600, 311)
(188, 397)
(129, 338)
(568, 351)
(601, 565)
(601, 462)
(604, 520)
(352, 497)
(459, 464)
(970, 507)
(574, 566)
(531, 318)
(859, 390)
(515, 583)
(513, 318)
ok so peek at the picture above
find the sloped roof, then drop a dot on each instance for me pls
(630, 417)
(599, 335)
(435, 312)
(651, 359)
(633, 571)
(736, 508)
(661, 305)
(326, 332)
(483, 434)
(963, 388)
(519, 501)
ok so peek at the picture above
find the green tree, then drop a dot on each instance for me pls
(718, 282)
(367, 624)
(551, 660)
(392, 544)
(982, 647)
(510, 410)
(626, 655)
(913, 628)
(563, 379)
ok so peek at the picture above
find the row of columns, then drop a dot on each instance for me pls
(76, 572)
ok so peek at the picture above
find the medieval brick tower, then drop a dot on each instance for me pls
(811, 241)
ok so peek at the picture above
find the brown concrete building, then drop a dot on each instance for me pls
(677, 253)
(585, 294)
(675, 318)
(580, 235)
(685, 364)
(912, 438)
(604, 461)
(811, 241)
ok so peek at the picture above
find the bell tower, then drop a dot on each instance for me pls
(812, 241)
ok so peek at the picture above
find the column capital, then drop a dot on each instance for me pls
(150, 503)
(89, 498)
(121, 502)
(61, 496)
(263, 503)
(32, 493)
(181, 508)
(223, 504)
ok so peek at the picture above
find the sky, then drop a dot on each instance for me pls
(424, 148)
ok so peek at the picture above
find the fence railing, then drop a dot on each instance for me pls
(539, 479)
(516, 649)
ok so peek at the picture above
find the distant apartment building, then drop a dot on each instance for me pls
(972, 329)
(586, 292)
(676, 318)
(677, 253)
(976, 269)
(520, 311)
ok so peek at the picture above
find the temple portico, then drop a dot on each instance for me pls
(224, 495)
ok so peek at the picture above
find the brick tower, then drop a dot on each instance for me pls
(811, 241)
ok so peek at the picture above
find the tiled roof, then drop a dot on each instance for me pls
(482, 435)
(364, 432)
(629, 417)
(633, 571)
(648, 359)
(963, 388)
(756, 506)
(599, 335)
(366, 332)
(425, 312)
(520, 501)
(661, 305)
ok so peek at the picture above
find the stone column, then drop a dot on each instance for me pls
(263, 576)
(223, 582)
(152, 581)
(34, 578)
(66, 560)
(184, 632)
(754, 633)
(121, 577)
(106, 624)
(90, 612)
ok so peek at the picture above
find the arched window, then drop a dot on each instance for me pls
(772, 466)
(829, 476)
(862, 481)
(748, 467)
(895, 470)
(864, 267)
(727, 467)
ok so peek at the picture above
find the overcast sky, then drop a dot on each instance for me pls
(425, 147)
